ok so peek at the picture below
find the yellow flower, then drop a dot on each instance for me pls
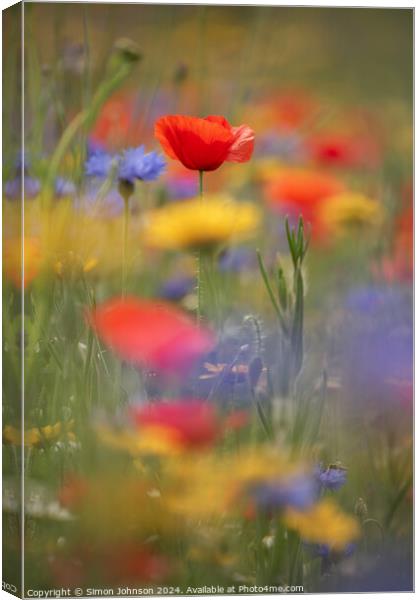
(74, 262)
(212, 556)
(123, 506)
(12, 259)
(324, 524)
(66, 241)
(344, 212)
(159, 441)
(267, 169)
(201, 223)
(38, 436)
(211, 486)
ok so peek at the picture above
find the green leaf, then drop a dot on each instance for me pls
(282, 288)
(297, 327)
(291, 241)
(270, 292)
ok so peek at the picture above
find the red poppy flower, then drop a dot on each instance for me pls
(204, 144)
(193, 424)
(148, 333)
(343, 151)
(130, 563)
(301, 190)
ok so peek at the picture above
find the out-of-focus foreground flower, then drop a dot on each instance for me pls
(152, 334)
(324, 524)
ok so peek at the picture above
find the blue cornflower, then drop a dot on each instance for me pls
(136, 164)
(31, 185)
(13, 187)
(236, 260)
(332, 478)
(368, 300)
(177, 287)
(326, 551)
(130, 165)
(329, 556)
(64, 187)
(299, 492)
(99, 164)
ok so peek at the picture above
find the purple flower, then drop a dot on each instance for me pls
(136, 164)
(99, 164)
(332, 478)
(237, 260)
(298, 492)
(64, 187)
(369, 300)
(329, 556)
(325, 551)
(177, 287)
(13, 187)
(282, 146)
(132, 164)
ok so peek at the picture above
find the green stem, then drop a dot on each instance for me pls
(200, 265)
(125, 245)
(85, 118)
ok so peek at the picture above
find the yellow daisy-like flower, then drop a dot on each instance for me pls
(196, 494)
(324, 524)
(201, 223)
(348, 211)
(38, 436)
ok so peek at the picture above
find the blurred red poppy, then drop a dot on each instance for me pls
(292, 108)
(204, 144)
(399, 266)
(193, 424)
(300, 191)
(147, 333)
(343, 151)
(130, 563)
(117, 124)
(125, 563)
(73, 492)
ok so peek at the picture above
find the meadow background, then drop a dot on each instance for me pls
(108, 502)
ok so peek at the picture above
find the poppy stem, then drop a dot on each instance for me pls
(200, 264)
(201, 174)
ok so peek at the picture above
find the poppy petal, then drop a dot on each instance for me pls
(243, 146)
(199, 144)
